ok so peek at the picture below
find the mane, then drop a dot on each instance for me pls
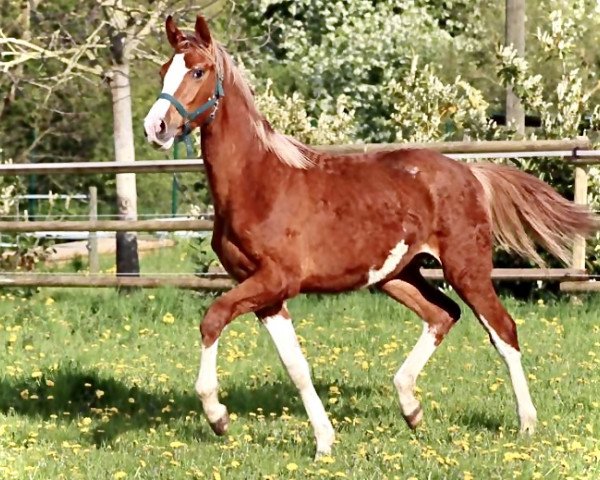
(287, 149)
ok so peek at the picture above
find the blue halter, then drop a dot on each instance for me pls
(212, 102)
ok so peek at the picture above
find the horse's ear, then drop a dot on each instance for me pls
(174, 35)
(202, 31)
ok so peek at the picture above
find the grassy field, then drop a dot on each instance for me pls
(99, 385)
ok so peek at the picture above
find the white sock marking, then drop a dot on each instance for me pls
(390, 263)
(512, 358)
(406, 377)
(172, 80)
(283, 334)
(207, 384)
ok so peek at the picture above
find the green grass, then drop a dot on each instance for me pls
(96, 385)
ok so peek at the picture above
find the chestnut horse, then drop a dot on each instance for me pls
(290, 219)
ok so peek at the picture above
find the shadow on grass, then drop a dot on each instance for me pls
(77, 393)
(478, 420)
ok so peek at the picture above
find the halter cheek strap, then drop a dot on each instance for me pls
(212, 102)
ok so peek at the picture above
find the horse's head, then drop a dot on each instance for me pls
(192, 86)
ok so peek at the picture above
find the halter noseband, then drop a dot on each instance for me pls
(212, 102)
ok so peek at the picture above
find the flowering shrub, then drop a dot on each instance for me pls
(427, 109)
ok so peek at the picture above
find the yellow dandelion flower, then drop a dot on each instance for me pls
(291, 467)
(177, 444)
(326, 459)
(49, 383)
(168, 318)
(119, 475)
(49, 301)
(36, 374)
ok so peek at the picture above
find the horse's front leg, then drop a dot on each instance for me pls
(267, 286)
(279, 325)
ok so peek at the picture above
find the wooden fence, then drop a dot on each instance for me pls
(577, 152)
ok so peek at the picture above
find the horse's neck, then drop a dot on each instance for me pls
(235, 160)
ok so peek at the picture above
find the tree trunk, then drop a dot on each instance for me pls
(127, 251)
(515, 36)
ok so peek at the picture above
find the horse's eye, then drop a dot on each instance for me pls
(197, 73)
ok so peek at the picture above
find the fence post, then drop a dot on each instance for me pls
(94, 262)
(581, 190)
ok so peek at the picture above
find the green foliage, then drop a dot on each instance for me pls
(204, 258)
(354, 48)
(428, 109)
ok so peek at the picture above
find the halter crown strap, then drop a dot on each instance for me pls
(212, 102)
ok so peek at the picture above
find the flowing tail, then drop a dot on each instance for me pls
(524, 210)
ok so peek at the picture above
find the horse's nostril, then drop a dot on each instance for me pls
(162, 127)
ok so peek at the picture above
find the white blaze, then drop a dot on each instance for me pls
(390, 264)
(172, 80)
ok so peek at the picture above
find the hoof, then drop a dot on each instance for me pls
(221, 425)
(322, 453)
(413, 419)
(528, 429)
(528, 421)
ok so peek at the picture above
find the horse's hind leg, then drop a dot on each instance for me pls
(470, 276)
(439, 314)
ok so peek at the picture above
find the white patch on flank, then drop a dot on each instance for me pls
(512, 357)
(207, 384)
(172, 80)
(283, 334)
(390, 264)
(406, 377)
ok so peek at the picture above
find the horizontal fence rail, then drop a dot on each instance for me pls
(107, 226)
(493, 146)
(223, 282)
(580, 287)
(185, 281)
(524, 274)
(91, 168)
(576, 151)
